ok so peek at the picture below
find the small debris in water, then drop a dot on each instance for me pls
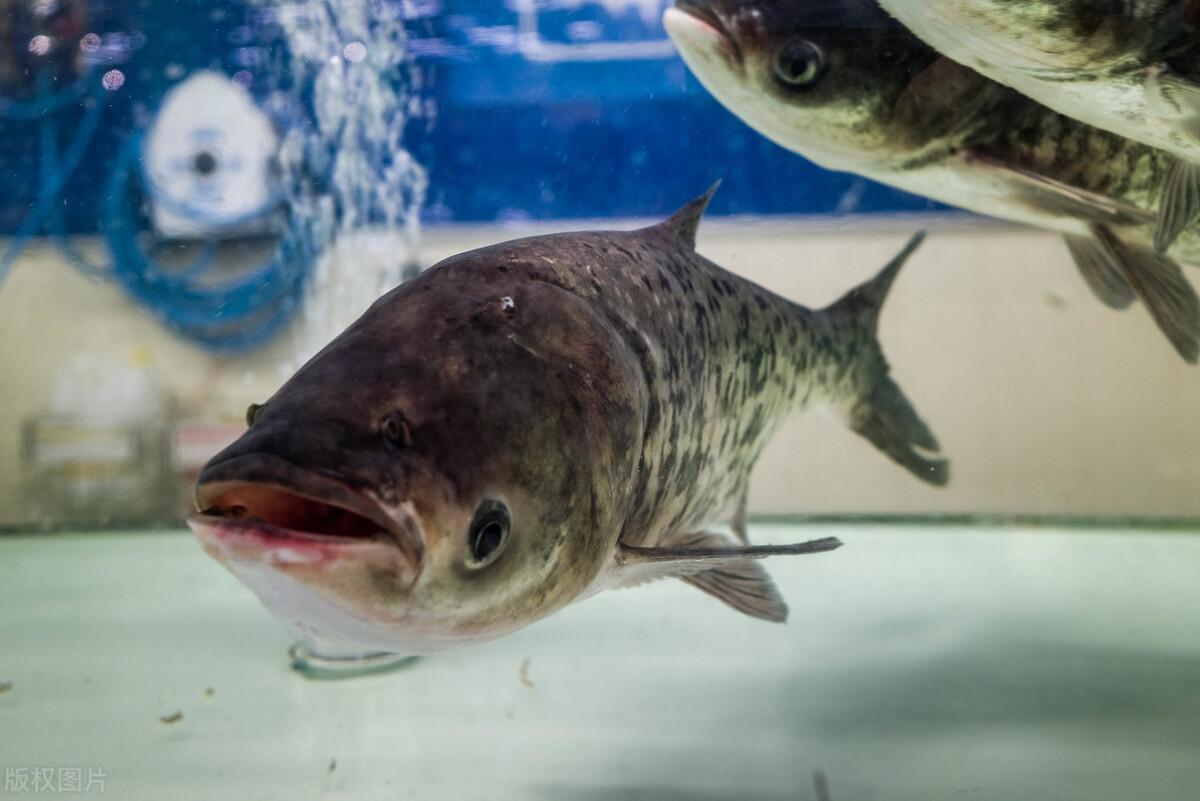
(174, 717)
(524, 674)
(1055, 301)
(5, 686)
(822, 785)
(332, 764)
(209, 692)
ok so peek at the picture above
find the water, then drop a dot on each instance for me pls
(351, 55)
(1028, 631)
(985, 662)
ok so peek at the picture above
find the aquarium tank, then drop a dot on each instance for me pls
(599, 399)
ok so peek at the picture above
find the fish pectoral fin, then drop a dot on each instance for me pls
(709, 562)
(1180, 206)
(1173, 98)
(1102, 276)
(1054, 197)
(1158, 282)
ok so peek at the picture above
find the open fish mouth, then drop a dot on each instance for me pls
(292, 514)
(270, 499)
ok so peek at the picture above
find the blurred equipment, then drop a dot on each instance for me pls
(99, 453)
(195, 222)
(208, 161)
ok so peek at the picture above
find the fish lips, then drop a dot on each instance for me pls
(693, 20)
(280, 504)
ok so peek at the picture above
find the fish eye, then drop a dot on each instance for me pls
(800, 64)
(252, 412)
(488, 534)
(395, 430)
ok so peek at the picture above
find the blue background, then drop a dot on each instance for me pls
(503, 137)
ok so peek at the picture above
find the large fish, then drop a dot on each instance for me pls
(1130, 67)
(845, 85)
(525, 425)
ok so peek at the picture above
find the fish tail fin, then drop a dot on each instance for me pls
(876, 408)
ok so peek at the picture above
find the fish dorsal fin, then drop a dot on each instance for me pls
(713, 564)
(683, 224)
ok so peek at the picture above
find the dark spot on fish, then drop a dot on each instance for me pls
(641, 484)
(754, 427)
(667, 466)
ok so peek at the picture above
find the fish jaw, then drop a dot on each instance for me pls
(294, 578)
(292, 574)
(334, 563)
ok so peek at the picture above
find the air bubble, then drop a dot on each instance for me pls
(113, 80)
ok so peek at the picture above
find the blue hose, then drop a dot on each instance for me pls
(45, 103)
(237, 315)
(53, 183)
(233, 316)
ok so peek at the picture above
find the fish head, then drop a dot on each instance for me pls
(446, 471)
(822, 78)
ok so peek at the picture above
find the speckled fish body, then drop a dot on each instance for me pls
(1127, 67)
(845, 85)
(1097, 61)
(528, 424)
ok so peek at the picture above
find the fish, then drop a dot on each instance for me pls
(526, 425)
(1129, 67)
(848, 87)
